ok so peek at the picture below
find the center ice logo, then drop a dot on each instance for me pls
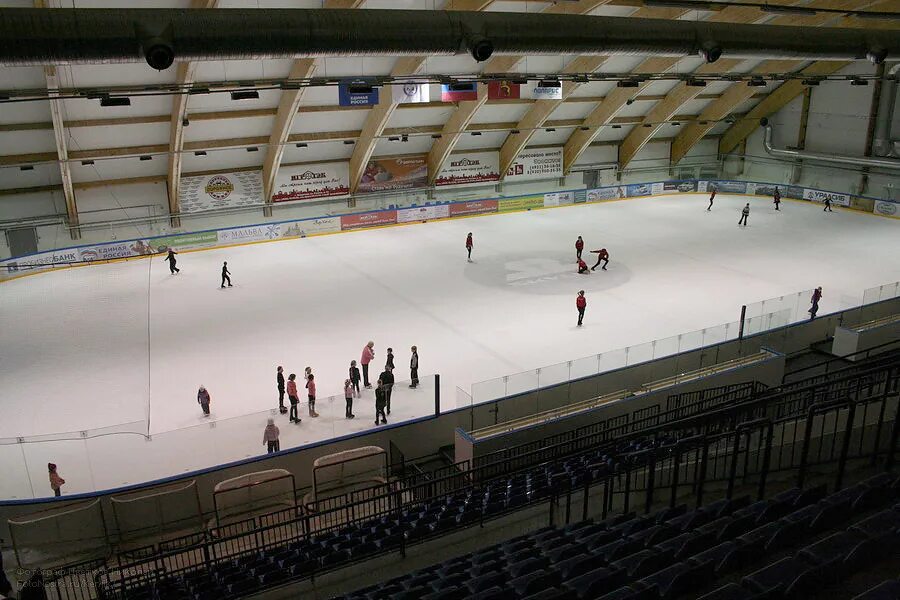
(536, 270)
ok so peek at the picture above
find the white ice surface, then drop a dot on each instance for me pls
(77, 351)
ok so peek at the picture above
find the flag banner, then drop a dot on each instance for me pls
(394, 174)
(305, 182)
(454, 92)
(546, 93)
(411, 93)
(350, 94)
(470, 167)
(536, 164)
(503, 90)
(223, 190)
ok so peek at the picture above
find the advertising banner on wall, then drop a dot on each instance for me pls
(637, 189)
(423, 213)
(536, 164)
(470, 167)
(41, 260)
(559, 198)
(581, 196)
(350, 94)
(305, 182)
(223, 190)
(311, 227)
(404, 173)
(680, 186)
(184, 241)
(253, 233)
(606, 193)
(476, 207)
(888, 209)
(730, 187)
(116, 250)
(370, 219)
(820, 196)
(520, 203)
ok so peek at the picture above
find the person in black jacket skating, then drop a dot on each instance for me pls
(172, 260)
(379, 403)
(387, 383)
(414, 367)
(389, 363)
(226, 274)
(279, 381)
(354, 377)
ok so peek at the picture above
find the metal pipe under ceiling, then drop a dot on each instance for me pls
(857, 161)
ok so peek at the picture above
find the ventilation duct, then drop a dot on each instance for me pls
(31, 36)
(883, 144)
(856, 161)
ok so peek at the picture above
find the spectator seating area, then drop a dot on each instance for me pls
(677, 552)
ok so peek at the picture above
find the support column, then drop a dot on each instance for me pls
(873, 121)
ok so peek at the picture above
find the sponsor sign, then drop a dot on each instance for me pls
(503, 90)
(42, 260)
(656, 188)
(394, 174)
(580, 196)
(411, 93)
(730, 187)
(704, 186)
(305, 182)
(536, 164)
(459, 91)
(471, 167)
(520, 203)
(683, 187)
(423, 213)
(184, 241)
(310, 227)
(370, 219)
(606, 193)
(476, 207)
(888, 209)
(547, 93)
(559, 198)
(116, 250)
(223, 190)
(254, 233)
(346, 97)
(792, 191)
(820, 196)
(638, 189)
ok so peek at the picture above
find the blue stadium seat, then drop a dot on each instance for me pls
(777, 577)
(534, 582)
(832, 551)
(632, 592)
(596, 582)
(495, 593)
(526, 566)
(487, 581)
(577, 565)
(881, 525)
(678, 579)
(643, 563)
(722, 557)
(553, 594)
(732, 591)
(888, 590)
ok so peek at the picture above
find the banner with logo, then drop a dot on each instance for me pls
(546, 93)
(559, 198)
(683, 187)
(580, 196)
(411, 93)
(470, 167)
(606, 193)
(223, 190)
(370, 219)
(820, 196)
(455, 92)
(305, 182)
(520, 203)
(730, 187)
(349, 97)
(888, 209)
(637, 189)
(41, 260)
(184, 241)
(475, 207)
(116, 250)
(253, 233)
(311, 227)
(503, 90)
(394, 174)
(545, 163)
(423, 213)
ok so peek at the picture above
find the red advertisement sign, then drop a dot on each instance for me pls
(371, 219)
(475, 207)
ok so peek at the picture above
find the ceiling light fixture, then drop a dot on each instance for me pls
(115, 101)
(245, 95)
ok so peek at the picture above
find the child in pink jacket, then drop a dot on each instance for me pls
(56, 482)
(311, 395)
(348, 397)
(368, 354)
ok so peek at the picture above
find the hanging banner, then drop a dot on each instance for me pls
(883, 207)
(394, 174)
(820, 196)
(347, 96)
(223, 190)
(503, 90)
(539, 92)
(475, 207)
(454, 92)
(370, 219)
(411, 93)
(423, 213)
(305, 182)
(474, 167)
(536, 164)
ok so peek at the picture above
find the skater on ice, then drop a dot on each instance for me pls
(279, 381)
(712, 196)
(389, 363)
(293, 397)
(172, 261)
(379, 404)
(387, 384)
(354, 377)
(348, 398)
(469, 245)
(414, 367)
(827, 204)
(368, 353)
(602, 255)
(580, 304)
(776, 197)
(744, 214)
(583, 268)
(56, 482)
(203, 400)
(270, 437)
(311, 395)
(226, 275)
(579, 246)
(816, 296)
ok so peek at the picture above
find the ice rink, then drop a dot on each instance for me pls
(98, 346)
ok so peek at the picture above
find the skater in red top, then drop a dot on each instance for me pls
(580, 304)
(469, 244)
(712, 197)
(602, 255)
(582, 267)
(579, 246)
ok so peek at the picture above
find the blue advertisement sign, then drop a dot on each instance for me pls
(640, 189)
(350, 97)
(730, 187)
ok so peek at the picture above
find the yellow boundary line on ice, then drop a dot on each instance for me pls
(386, 226)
